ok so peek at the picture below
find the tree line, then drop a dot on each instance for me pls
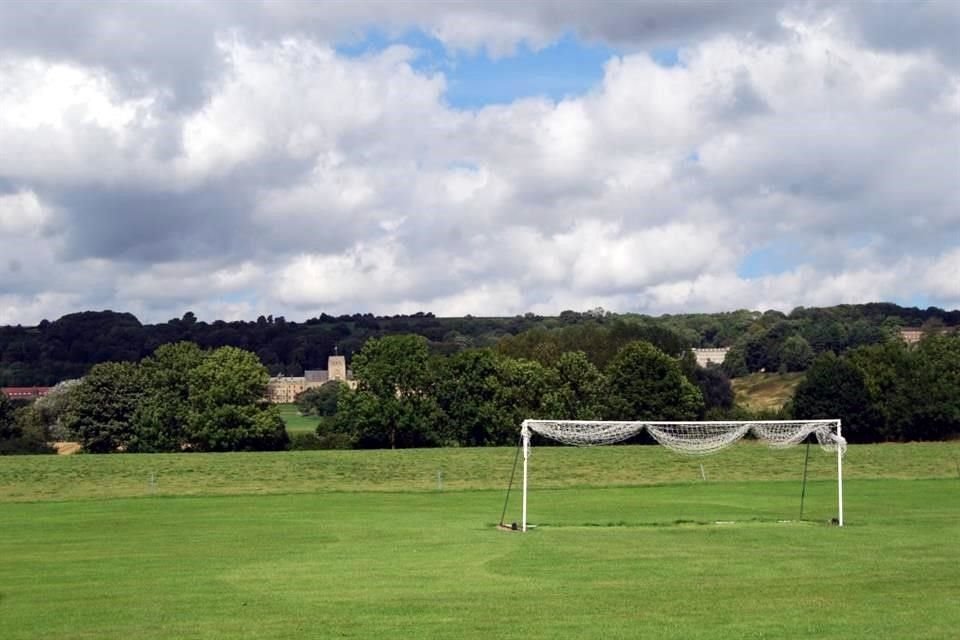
(66, 348)
(407, 398)
(888, 391)
(184, 398)
(181, 398)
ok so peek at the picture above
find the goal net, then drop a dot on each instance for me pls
(688, 438)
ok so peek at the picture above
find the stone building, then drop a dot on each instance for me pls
(710, 356)
(284, 389)
(911, 335)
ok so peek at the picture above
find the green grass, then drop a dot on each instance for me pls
(29, 478)
(296, 422)
(364, 545)
(766, 391)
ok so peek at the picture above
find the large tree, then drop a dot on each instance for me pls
(50, 409)
(164, 413)
(9, 430)
(465, 390)
(523, 389)
(393, 405)
(320, 401)
(914, 391)
(936, 389)
(796, 354)
(835, 387)
(21, 431)
(369, 421)
(228, 410)
(101, 408)
(645, 383)
(581, 387)
(890, 374)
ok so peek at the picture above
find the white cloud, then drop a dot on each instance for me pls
(305, 181)
(22, 213)
(942, 277)
(67, 124)
(362, 274)
(15, 309)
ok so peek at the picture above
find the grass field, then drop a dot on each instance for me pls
(365, 545)
(296, 422)
(765, 391)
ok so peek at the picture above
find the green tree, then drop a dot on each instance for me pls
(320, 401)
(367, 421)
(645, 383)
(51, 409)
(715, 387)
(228, 410)
(735, 363)
(863, 332)
(796, 354)
(393, 365)
(21, 431)
(524, 389)
(163, 415)
(890, 373)
(102, 406)
(9, 429)
(835, 387)
(465, 391)
(582, 386)
(827, 335)
(713, 383)
(393, 405)
(936, 389)
(915, 392)
(33, 438)
(358, 413)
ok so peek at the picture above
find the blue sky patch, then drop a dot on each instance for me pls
(666, 56)
(772, 259)
(566, 68)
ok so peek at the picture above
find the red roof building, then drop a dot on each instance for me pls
(25, 393)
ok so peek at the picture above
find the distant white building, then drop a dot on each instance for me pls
(911, 335)
(710, 356)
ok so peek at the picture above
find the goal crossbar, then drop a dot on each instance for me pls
(689, 438)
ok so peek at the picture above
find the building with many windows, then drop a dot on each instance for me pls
(25, 393)
(284, 389)
(913, 335)
(710, 356)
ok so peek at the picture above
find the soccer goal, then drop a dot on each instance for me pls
(689, 438)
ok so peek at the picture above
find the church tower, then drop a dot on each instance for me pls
(337, 368)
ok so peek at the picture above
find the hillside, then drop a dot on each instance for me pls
(765, 391)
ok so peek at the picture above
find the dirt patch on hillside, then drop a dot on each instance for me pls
(66, 448)
(766, 391)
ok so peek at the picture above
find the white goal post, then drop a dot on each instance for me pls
(690, 438)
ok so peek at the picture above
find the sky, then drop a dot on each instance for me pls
(489, 158)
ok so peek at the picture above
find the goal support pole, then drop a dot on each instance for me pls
(839, 481)
(513, 473)
(525, 436)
